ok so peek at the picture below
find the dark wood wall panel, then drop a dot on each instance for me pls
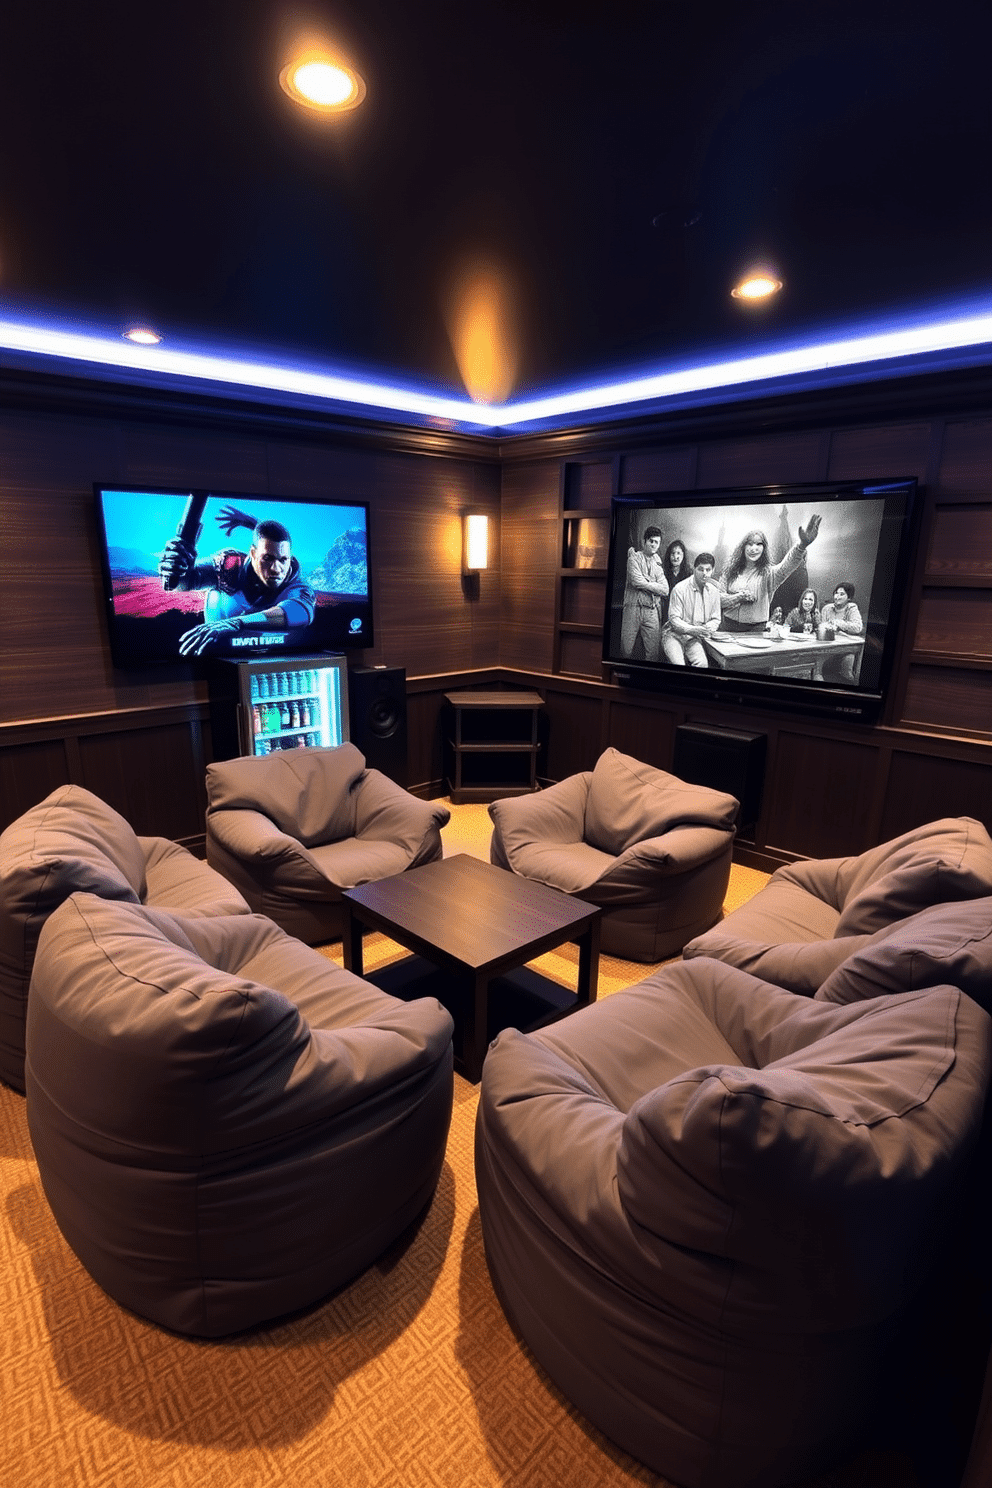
(530, 563)
(339, 473)
(42, 454)
(955, 620)
(961, 542)
(897, 449)
(142, 739)
(132, 769)
(658, 470)
(527, 630)
(425, 757)
(590, 484)
(148, 763)
(575, 732)
(174, 456)
(58, 660)
(949, 698)
(583, 601)
(645, 733)
(28, 773)
(923, 788)
(966, 461)
(427, 619)
(819, 798)
(799, 456)
(581, 656)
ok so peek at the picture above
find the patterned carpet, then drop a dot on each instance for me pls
(408, 1378)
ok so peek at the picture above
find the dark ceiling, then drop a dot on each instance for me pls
(617, 164)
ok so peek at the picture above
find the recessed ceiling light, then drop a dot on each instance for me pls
(758, 285)
(325, 83)
(142, 335)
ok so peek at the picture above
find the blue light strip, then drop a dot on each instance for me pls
(920, 340)
(908, 345)
(161, 361)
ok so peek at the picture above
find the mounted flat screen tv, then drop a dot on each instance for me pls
(785, 596)
(206, 574)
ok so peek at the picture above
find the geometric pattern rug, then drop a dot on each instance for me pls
(410, 1377)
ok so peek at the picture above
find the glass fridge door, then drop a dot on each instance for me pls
(303, 705)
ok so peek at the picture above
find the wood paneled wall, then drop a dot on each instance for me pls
(829, 789)
(143, 740)
(67, 715)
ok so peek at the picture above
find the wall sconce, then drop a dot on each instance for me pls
(475, 543)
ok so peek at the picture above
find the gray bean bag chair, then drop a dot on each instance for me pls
(945, 943)
(707, 1205)
(293, 830)
(73, 840)
(653, 852)
(227, 1125)
(812, 915)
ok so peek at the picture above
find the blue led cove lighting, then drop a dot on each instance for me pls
(913, 345)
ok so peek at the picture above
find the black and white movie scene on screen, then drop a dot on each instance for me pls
(798, 585)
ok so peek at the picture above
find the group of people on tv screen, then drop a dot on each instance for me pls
(673, 606)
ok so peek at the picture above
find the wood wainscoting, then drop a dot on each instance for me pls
(829, 789)
(148, 763)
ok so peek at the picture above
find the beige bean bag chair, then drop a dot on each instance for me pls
(292, 830)
(73, 840)
(709, 1204)
(227, 1125)
(812, 915)
(653, 852)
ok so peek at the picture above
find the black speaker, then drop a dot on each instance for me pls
(377, 703)
(726, 760)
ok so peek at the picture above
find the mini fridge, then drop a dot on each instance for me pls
(298, 702)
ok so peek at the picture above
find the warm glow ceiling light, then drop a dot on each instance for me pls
(481, 316)
(756, 286)
(475, 553)
(323, 82)
(956, 340)
(142, 335)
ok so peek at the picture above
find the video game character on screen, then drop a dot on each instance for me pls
(245, 594)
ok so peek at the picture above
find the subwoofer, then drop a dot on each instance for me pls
(377, 704)
(726, 760)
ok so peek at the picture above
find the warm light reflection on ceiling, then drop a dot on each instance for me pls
(319, 78)
(481, 316)
(757, 286)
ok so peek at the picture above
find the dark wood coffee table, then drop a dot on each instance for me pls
(475, 922)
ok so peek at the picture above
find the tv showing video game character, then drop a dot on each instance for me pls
(205, 574)
(787, 595)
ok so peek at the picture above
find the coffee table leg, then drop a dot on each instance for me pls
(474, 1040)
(588, 978)
(352, 944)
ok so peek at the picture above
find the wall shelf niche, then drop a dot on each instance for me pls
(586, 489)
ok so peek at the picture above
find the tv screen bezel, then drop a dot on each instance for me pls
(127, 657)
(850, 703)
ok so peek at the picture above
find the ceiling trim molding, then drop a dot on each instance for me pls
(960, 391)
(41, 391)
(899, 399)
